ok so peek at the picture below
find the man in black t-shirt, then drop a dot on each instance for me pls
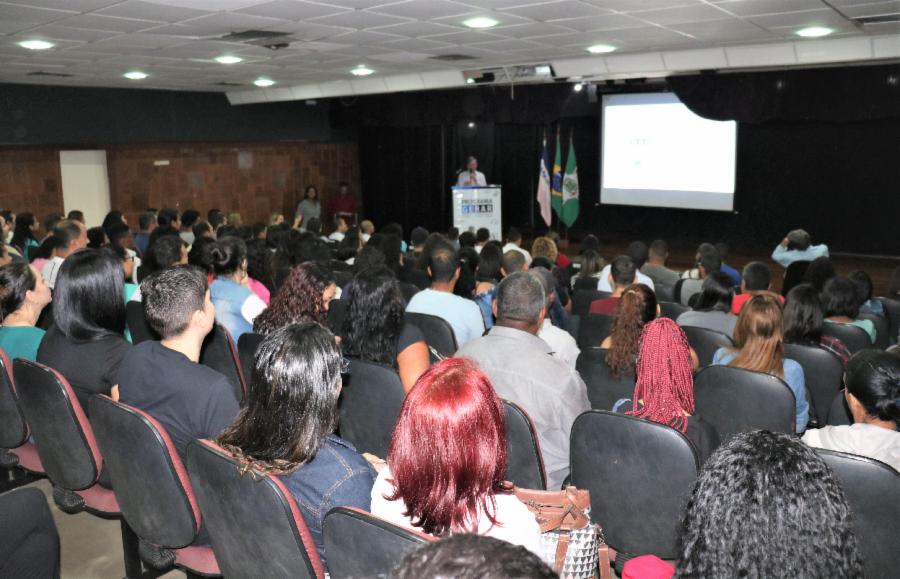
(164, 378)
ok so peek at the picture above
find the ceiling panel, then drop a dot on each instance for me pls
(291, 10)
(554, 10)
(112, 24)
(149, 11)
(360, 20)
(423, 9)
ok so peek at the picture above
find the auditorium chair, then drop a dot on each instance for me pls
(603, 389)
(892, 309)
(247, 346)
(839, 412)
(671, 310)
(855, 339)
(735, 400)
(68, 450)
(524, 463)
(705, 342)
(337, 311)
(370, 404)
(676, 292)
(882, 330)
(824, 375)
(220, 353)
(585, 283)
(137, 324)
(640, 474)
(871, 488)
(664, 293)
(593, 329)
(359, 544)
(793, 276)
(581, 300)
(30, 547)
(18, 456)
(408, 290)
(254, 522)
(438, 334)
(152, 487)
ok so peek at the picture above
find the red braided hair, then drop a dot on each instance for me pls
(665, 378)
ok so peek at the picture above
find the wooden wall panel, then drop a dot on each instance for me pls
(30, 181)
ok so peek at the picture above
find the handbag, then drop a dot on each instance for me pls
(573, 545)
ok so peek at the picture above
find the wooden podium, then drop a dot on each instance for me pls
(477, 207)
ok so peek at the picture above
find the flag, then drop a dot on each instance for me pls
(543, 190)
(570, 188)
(556, 188)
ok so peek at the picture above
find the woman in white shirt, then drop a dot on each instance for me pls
(873, 395)
(447, 461)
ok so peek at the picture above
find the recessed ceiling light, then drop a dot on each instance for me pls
(578, 87)
(471, 125)
(264, 82)
(361, 70)
(814, 31)
(470, 80)
(480, 22)
(135, 75)
(36, 44)
(600, 48)
(228, 59)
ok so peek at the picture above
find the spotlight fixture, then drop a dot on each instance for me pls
(263, 82)
(470, 80)
(814, 31)
(578, 87)
(228, 59)
(135, 75)
(471, 124)
(36, 44)
(480, 22)
(600, 48)
(361, 70)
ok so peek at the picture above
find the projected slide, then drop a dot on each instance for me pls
(657, 153)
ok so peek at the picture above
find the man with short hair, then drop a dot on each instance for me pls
(71, 236)
(439, 300)
(734, 274)
(482, 236)
(514, 243)
(709, 262)
(366, 229)
(165, 378)
(511, 262)
(417, 238)
(169, 217)
(340, 230)
(343, 204)
(797, 246)
(188, 219)
(74, 215)
(562, 343)
(757, 279)
(655, 268)
(522, 370)
(622, 273)
(638, 252)
(216, 218)
(146, 223)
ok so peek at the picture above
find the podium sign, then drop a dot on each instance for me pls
(476, 207)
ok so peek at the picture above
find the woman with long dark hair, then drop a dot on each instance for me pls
(86, 343)
(713, 307)
(374, 330)
(637, 307)
(24, 238)
(23, 296)
(487, 276)
(804, 320)
(236, 305)
(841, 305)
(286, 428)
(447, 461)
(309, 207)
(304, 297)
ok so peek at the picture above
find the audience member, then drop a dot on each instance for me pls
(40, 256)
(260, 278)
(169, 217)
(288, 424)
(340, 230)
(655, 268)
(234, 219)
(544, 247)
(146, 224)
(487, 276)
(5, 257)
(314, 226)
(461, 313)
(482, 236)
(804, 320)
(664, 388)
(511, 262)
(468, 556)
(53, 219)
(188, 219)
(734, 274)
(864, 292)
(309, 207)
(621, 274)
(590, 243)
(23, 296)
(759, 346)
(121, 256)
(86, 343)
(5, 232)
(635, 309)
(818, 273)
(708, 263)
(712, 309)
(757, 278)
(417, 238)
(453, 237)
(467, 239)
(73, 215)
(96, 238)
(24, 238)
(522, 370)
(561, 343)
(216, 218)
(562, 260)
(514, 243)
(236, 305)
(366, 229)
(368, 256)
(374, 329)
(468, 265)
(304, 297)
(70, 237)
(202, 230)
(873, 396)
(591, 266)
(275, 218)
(343, 204)
(164, 252)
(113, 217)
(446, 464)
(607, 280)
(841, 306)
(694, 273)
(797, 246)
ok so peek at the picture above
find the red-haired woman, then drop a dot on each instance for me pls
(664, 390)
(447, 461)
(303, 297)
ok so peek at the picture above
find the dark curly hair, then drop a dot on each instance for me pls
(637, 307)
(374, 316)
(298, 300)
(767, 506)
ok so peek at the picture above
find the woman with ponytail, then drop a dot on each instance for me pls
(236, 305)
(23, 296)
(664, 389)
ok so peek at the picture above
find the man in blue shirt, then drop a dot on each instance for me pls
(797, 246)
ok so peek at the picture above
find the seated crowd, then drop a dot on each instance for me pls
(317, 301)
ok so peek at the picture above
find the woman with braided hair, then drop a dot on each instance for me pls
(664, 389)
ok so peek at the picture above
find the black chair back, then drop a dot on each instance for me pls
(13, 428)
(705, 342)
(853, 337)
(603, 389)
(370, 404)
(839, 412)
(337, 311)
(438, 333)
(640, 475)
(61, 431)
(359, 544)
(255, 524)
(871, 488)
(581, 300)
(671, 310)
(882, 330)
(892, 309)
(824, 374)
(585, 283)
(676, 291)
(247, 345)
(220, 354)
(593, 329)
(664, 293)
(408, 290)
(793, 276)
(735, 400)
(137, 323)
(151, 484)
(524, 463)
